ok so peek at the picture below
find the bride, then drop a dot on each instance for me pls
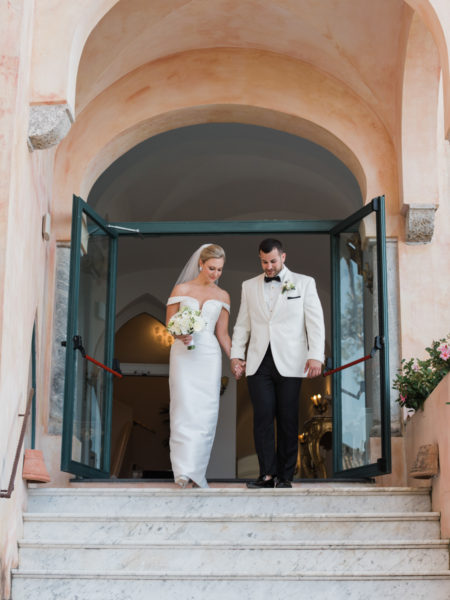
(194, 375)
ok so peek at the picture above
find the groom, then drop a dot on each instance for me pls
(281, 315)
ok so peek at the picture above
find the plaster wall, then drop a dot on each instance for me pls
(424, 279)
(25, 183)
(60, 31)
(14, 36)
(436, 16)
(431, 426)
(419, 145)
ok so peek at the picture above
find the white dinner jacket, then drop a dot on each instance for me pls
(295, 330)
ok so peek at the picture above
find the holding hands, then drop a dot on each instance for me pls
(237, 367)
(313, 368)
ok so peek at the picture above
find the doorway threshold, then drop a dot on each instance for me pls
(214, 483)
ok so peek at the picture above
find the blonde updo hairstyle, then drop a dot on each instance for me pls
(212, 251)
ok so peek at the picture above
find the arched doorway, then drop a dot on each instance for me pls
(225, 178)
(224, 171)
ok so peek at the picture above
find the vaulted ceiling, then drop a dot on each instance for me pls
(226, 171)
(359, 42)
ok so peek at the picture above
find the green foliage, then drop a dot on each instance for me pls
(416, 379)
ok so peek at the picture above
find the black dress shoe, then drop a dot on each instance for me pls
(284, 483)
(261, 483)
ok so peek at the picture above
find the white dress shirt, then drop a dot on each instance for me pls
(272, 290)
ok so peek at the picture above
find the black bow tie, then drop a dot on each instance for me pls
(268, 279)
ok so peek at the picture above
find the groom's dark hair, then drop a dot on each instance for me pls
(269, 244)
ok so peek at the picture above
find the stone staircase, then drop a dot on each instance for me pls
(314, 541)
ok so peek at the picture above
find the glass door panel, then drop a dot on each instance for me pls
(88, 389)
(360, 390)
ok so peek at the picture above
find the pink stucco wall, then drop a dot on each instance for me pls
(25, 183)
(432, 426)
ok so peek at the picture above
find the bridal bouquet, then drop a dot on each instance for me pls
(186, 322)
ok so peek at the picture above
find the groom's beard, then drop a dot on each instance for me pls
(273, 272)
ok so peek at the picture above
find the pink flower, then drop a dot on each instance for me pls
(415, 367)
(402, 399)
(445, 353)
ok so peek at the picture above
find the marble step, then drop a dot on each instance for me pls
(144, 585)
(323, 527)
(228, 502)
(280, 558)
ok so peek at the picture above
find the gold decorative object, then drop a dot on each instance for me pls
(223, 384)
(312, 461)
(320, 403)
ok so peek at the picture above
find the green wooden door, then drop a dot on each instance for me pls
(361, 399)
(88, 388)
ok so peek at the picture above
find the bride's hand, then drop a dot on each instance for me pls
(186, 339)
(237, 367)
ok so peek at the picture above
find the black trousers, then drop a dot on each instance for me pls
(275, 397)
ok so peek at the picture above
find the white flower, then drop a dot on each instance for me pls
(198, 325)
(287, 286)
(186, 322)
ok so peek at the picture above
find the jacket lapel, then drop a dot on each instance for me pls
(261, 300)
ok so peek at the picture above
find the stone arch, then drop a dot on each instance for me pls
(146, 303)
(62, 29)
(224, 85)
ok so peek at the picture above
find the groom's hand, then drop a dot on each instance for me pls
(313, 368)
(237, 367)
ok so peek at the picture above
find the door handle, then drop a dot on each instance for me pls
(78, 345)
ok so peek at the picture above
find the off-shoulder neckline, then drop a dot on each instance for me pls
(200, 307)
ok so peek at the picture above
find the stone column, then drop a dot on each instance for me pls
(393, 327)
(59, 334)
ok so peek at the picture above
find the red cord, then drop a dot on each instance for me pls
(96, 362)
(355, 362)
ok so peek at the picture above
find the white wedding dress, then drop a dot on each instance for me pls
(194, 381)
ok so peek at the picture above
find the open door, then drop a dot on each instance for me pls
(90, 331)
(361, 398)
(361, 403)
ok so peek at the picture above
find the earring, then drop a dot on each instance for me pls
(200, 268)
